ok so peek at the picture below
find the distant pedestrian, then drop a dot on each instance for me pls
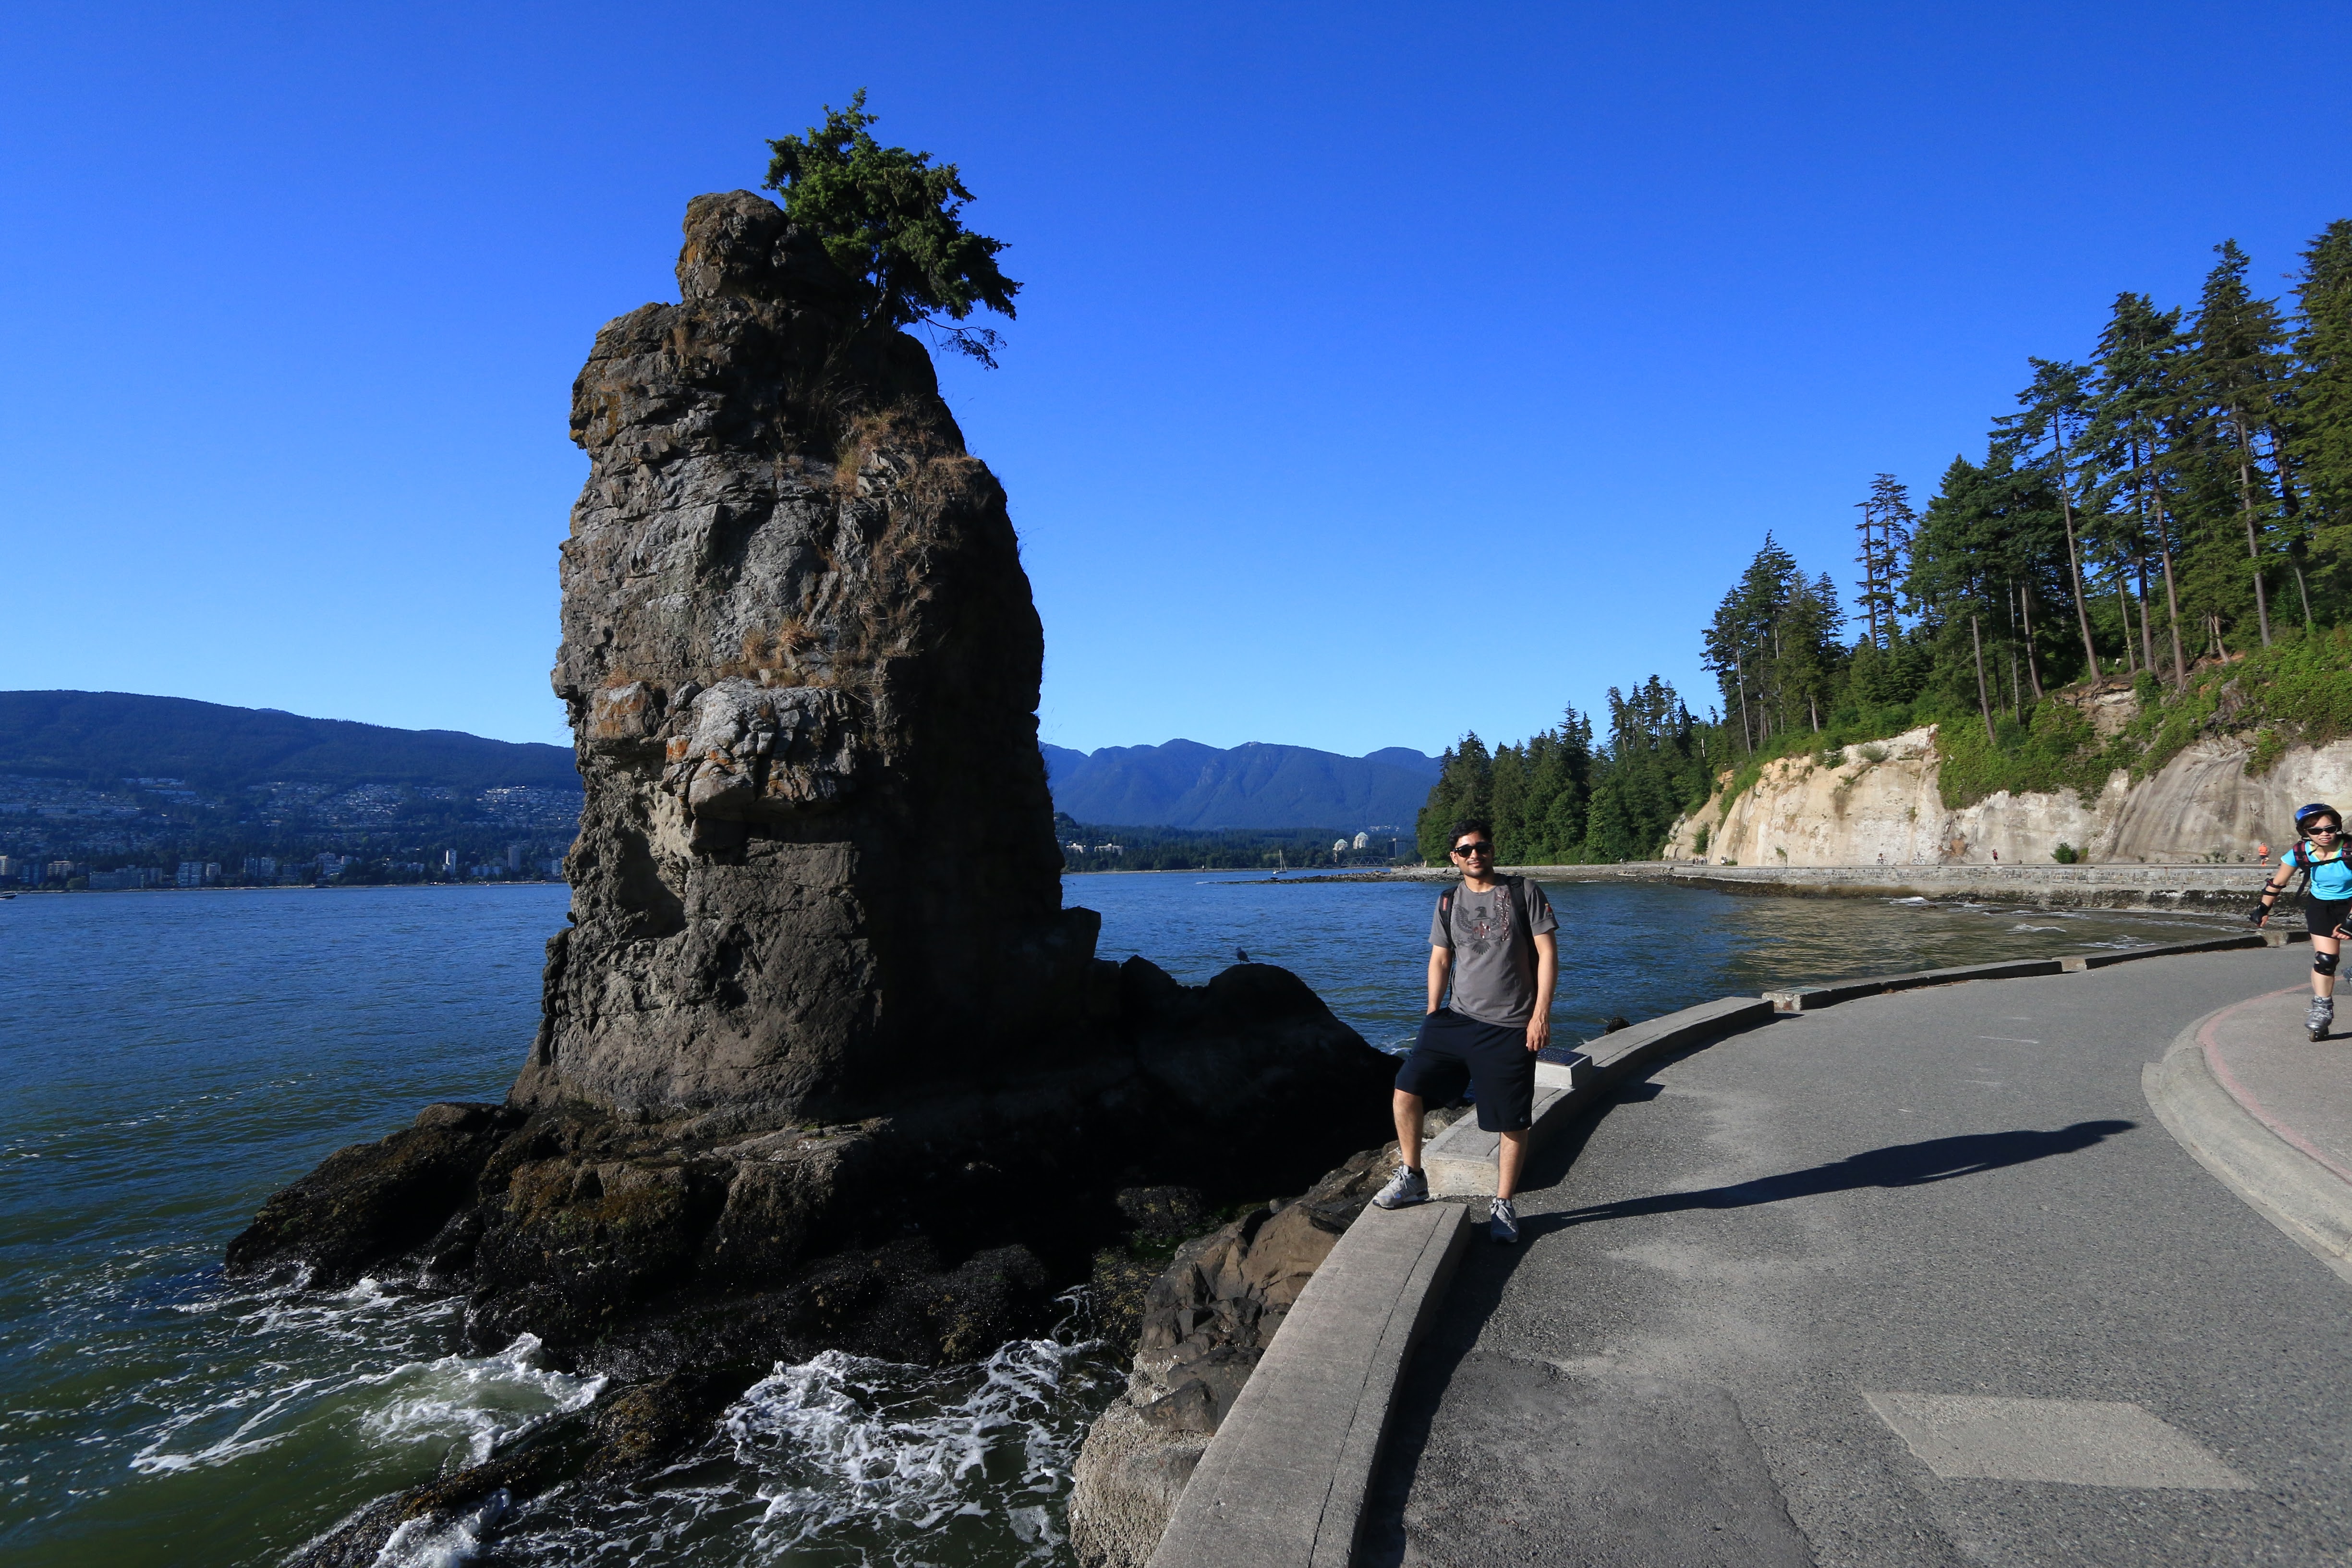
(1492, 940)
(2318, 854)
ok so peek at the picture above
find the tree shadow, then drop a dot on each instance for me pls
(1897, 1165)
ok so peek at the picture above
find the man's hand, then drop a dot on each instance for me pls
(1538, 1031)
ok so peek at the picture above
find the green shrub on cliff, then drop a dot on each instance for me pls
(893, 221)
(2298, 690)
(2055, 749)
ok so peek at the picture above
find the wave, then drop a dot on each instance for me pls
(483, 1402)
(845, 1460)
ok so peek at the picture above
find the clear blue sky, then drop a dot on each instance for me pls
(1381, 372)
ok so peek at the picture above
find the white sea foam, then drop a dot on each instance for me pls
(419, 1543)
(251, 1434)
(848, 1443)
(482, 1402)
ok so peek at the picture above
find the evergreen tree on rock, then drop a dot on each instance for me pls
(892, 220)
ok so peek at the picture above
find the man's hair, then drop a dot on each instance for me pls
(1465, 827)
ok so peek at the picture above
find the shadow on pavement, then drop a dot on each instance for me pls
(1897, 1165)
(1659, 1443)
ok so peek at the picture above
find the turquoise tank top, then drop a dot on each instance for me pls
(2330, 879)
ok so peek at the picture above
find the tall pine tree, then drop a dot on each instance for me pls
(2240, 366)
(2319, 421)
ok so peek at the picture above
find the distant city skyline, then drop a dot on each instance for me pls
(1381, 374)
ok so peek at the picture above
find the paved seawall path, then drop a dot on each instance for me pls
(1929, 1278)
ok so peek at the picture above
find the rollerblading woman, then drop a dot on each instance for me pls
(2318, 854)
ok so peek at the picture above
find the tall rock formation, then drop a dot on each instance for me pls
(816, 858)
(824, 1062)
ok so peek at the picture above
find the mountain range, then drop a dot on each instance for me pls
(110, 737)
(1186, 784)
(115, 735)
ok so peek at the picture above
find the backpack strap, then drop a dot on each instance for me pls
(1446, 913)
(1522, 934)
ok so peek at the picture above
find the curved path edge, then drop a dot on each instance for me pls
(2294, 1190)
(1284, 1482)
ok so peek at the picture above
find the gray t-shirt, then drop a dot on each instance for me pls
(1494, 948)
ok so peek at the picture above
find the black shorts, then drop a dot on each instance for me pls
(2322, 916)
(1454, 1051)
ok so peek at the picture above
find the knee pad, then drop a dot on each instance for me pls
(2325, 962)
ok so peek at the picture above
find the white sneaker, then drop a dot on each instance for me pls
(1407, 1187)
(1503, 1222)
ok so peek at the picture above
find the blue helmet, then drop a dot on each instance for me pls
(2317, 808)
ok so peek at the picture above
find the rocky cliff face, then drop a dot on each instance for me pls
(800, 659)
(1882, 805)
(823, 1063)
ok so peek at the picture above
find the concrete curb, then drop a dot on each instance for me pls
(2305, 1199)
(1812, 998)
(1460, 1160)
(1283, 1482)
(1809, 998)
(2081, 962)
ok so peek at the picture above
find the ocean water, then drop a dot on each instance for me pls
(174, 1057)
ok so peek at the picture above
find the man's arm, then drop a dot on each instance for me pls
(1546, 977)
(1441, 966)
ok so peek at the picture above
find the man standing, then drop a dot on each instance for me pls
(1492, 938)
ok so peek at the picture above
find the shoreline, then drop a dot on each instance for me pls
(2206, 886)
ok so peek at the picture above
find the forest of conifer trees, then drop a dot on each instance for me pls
(2180, 499)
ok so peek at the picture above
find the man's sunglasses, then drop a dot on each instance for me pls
(1474, 850)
